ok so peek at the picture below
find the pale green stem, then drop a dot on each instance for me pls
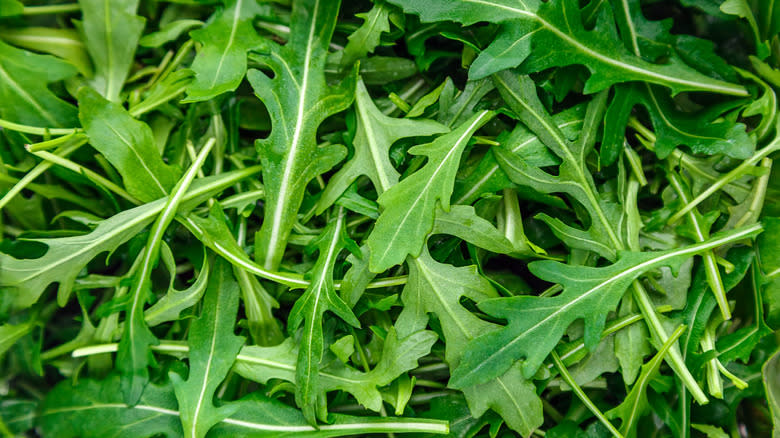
(53, 143)
(51, 9)
(64, 162)
(36, 130)
(734, 174)
(710, 263)
(569, 379)
(714, 381)
(37, 171)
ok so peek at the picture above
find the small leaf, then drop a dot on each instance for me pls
(220, 65)
(111, 34)
(409, 206)
(128, 144)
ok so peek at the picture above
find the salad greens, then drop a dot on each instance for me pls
(309, 218)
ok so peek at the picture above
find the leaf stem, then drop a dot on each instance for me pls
(36, 130)
(569, 379)
(711, 265)
(733, 175)
(94, 176)
(51, 9)
(37, 171)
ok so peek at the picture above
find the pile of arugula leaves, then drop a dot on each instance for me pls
(468, 217)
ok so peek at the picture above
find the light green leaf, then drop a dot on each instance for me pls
(408, 208)
(220, 65)
(375, 134)
(438, 288)
(589, 293)
(10, 333)
(462, 222)
(128, 144)
(65, 43)
(635, 405)
(111, 33)
(213, 349)
(298, 100)
(26, 279)
(366, 38)
(23, 88)
(399, 354)
(172, 303)
(134, 355)
(169, 32)
(529, 28)
(318, 298)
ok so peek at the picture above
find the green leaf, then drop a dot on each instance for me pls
(771, 373)
(588, 294)
(111, 34)
(635, 405)
(172, 303)
(367, 37)
(95, 409)
(10, 333)
(527, 28)
(213, 349)
(10, 8)
(408, 207)
(128, 144)
(23, 80)
(399, 354)
(438, 288)
(26, 279)
(221, 64)
(64, 43)
(672, 127)
(169, 32)
(318, 298)
(375, 134)
(462, 221)
(298, 100)
(134, 355)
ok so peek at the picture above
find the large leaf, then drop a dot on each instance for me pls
(220, 64)
(111, 33)
(318, 298)
(529, 28)
(408, 207)
(213, 349)
(536, 324)
(298, 100)
(438, 288)
(128, 144)
(23, 88)
(375, 134)
(134, 354)
(26, 279)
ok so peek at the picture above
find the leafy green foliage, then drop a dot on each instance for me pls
(23, 88)
(484, 217)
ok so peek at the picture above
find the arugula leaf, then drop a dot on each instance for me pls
(588, 293)
(375, 134)
(771, 373)
(298, 100)
(221, 64)
(213, 348)
(134, 354)
(438, 288)
(528, 26)
(128, 144)
(23, 88)
(408, 207)
(318, 298)
(111, 34)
